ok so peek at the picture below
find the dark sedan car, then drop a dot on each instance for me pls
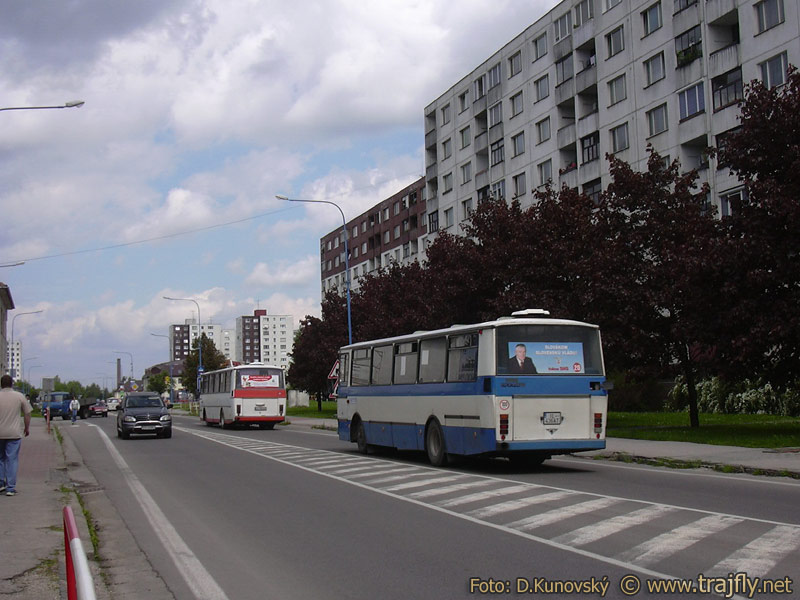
(143, 413)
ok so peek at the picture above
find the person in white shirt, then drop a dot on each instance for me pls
(11, 404)
(73, 407)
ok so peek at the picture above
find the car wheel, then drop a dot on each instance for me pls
(434, 444)
(167, 433)
(126, 435)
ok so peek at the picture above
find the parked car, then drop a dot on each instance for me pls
(98, 409)
(143, 413)
(113, 404)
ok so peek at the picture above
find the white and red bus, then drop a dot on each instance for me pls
(253, 394)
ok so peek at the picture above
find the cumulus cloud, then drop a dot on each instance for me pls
(284, 274)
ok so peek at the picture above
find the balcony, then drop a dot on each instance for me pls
(481, 179)
(583, 33)
(586, 79)
(717, 9)
(568, 177)
(565, 91)
(562, 48)
(481, 142)
(479, 106)
(430, 139)
(566, 136)
(431, 172)
(588, 124)
(724, 60)
(494, 95)
(495, 133)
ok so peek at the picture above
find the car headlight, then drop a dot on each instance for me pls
(165, 418)
(129, 419)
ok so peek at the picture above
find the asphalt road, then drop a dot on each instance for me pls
(296, 514)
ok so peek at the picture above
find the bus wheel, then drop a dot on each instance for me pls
(266, 425)
(221, 419)
(434, 444)
(361, 438)
(528, 459)
(205, 420)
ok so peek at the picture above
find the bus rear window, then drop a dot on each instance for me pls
(548, 350)
(259, 378)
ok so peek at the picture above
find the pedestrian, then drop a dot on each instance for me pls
(74, 405)
(11, 403)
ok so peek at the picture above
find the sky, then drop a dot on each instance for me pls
(197, 114)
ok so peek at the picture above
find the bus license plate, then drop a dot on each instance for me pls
(262, 407)
(551, 418)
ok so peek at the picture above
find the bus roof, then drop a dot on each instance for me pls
(244, 366)
(456, 329)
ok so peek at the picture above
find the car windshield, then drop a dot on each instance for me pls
(143, 402)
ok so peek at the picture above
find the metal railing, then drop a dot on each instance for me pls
(80, 585)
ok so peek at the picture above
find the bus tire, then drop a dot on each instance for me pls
(434, 444)
(266, 425)
(222, 419)
(528, 459)
(361, 438)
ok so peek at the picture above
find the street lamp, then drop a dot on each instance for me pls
(72, 104)
(129, 354)
(346, 256)
(31, 368)
(199, 335)
(33, 312)
(25, 381)
(171, 393)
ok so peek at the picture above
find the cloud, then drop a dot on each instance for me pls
(284, 273)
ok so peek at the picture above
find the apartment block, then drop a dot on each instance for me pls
(265, 338)
(391, 231)
(602, 76)
(181, 337)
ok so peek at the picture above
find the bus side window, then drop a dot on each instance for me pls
(344, 373)
(405, 363)
(432, 360)
(462, 359)
(382, 365)
(360, 367)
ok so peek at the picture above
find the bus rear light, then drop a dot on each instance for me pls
(598, 423)
(503, 426)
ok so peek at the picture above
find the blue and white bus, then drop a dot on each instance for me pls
(525, 387)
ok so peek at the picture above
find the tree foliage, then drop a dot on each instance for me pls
(158, 383)
(213, 359)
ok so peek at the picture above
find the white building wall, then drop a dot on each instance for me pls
(277, 339)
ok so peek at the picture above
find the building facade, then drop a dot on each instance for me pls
(6, 304)
(265, 338)
(393, 230)
(603, 76)
(14, 359)
(181, 337)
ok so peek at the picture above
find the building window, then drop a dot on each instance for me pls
(769, 14)
(466, 139)
(540, 46)
(592, 191)
(583, 12)
(657, 119)
(654, 68)
(448, 218)
(433, 221)
(479, 87)
(616, 90)
(396, 231)
(729, 201)
(463, 101)
(543, 130)
(497, 152)
(651, 19)
(466, 207)
(499, 190)
(387, 237)
(516, 104)
(518, 143)
(447, 182)
(612, 3)
(494, 76)
(514, 64)
(542, 86)
(615, 41)
(564, 70)
(563, 26)
(545, 172)
(447, 149)
(590, 147)
(773, 71)
(727, 89)
(495, 114)
(520, 185)
(466, 173)
(689, 46)
(619, 138)
(683, 4)
(446, 114)
(692, 101)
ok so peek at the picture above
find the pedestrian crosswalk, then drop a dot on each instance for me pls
(655, 538)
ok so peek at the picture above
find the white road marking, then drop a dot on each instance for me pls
(191, 569)
(762, 554)
(597, 531)
(511, 505)
(423, 483)
(449, 489)
(561, 513)
(678, 539)
(487, 495)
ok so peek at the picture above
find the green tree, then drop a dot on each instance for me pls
(158, 383)
(213, 359)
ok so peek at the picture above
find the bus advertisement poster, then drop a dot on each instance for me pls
(554, 357)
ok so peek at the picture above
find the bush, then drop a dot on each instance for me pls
(746, 397)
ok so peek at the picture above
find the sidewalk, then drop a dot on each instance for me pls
(770, 461)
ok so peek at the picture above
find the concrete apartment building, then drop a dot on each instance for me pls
(393, 230)
(602, 76)
(181, 338)
(6, 304)
(265, 338)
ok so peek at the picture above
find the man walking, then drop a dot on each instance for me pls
(74, 405)
(11, 403)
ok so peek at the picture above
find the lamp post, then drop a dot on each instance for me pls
(199, 335)
(23, 366)
(72, 104)
(346, 256)
(31, 368)
(129, 354)
(14, 320)
(171, 396)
